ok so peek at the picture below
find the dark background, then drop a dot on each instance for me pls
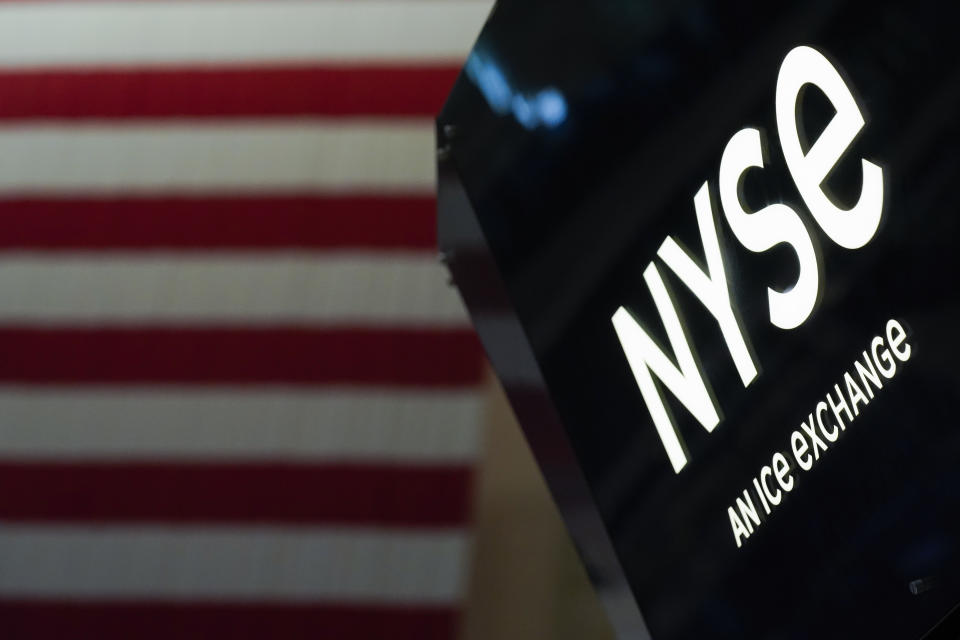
(574, 212)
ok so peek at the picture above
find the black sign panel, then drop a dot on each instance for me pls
(712, 251)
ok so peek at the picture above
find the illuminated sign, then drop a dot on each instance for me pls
(757, 231)
(710, 251)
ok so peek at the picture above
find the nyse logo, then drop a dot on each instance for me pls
(757, 231)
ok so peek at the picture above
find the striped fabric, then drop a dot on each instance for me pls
(237, 398)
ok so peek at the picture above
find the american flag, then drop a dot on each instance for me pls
(237, 398)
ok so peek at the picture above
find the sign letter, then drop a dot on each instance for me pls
(852, 228)
(768, 227)
(710, 287)
(646, 358)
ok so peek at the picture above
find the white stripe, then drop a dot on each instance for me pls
(327, 288)
(231, 563)
(336, 425)
(236, 157)
(84, 33)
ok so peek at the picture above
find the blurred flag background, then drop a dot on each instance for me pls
(237, 398)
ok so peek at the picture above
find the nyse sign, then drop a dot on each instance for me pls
(757, 231)
(719, 288)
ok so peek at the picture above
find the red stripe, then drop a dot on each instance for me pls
(233, 493)
(57, 620)
(366, 90)
(389, 357)
(227, 222)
